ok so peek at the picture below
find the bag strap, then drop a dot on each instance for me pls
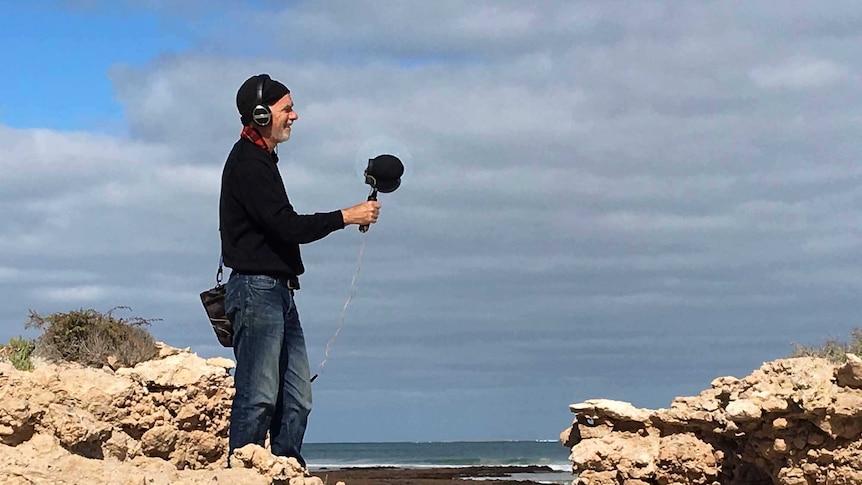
(220, 271)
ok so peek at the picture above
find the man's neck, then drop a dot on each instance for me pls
(270, 143)
(255, 136)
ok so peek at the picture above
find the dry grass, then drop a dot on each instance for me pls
(832, 349)
(89, 337)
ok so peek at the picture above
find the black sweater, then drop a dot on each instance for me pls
(260, 231)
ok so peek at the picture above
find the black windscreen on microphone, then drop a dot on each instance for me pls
(384, 172)
(386, 167)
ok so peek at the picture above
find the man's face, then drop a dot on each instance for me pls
(283, 116)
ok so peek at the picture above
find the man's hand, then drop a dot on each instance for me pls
(364, 213)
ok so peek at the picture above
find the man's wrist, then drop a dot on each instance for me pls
(345, 217)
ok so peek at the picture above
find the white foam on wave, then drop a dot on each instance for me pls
(546, 478)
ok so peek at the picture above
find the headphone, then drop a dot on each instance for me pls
(261, 114)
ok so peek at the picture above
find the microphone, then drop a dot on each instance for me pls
(383, 174)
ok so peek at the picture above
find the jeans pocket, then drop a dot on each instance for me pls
(231, 295)
(262, 282)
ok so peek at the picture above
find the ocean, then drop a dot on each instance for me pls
(445, 454)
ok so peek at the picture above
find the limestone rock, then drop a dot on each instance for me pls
(684, 458)
(743, 410)
(275, 467)
(221, 362)
(792, 421)
(174, 372)
(162, 422)
(159, 441)
(74, 427)
(850, 374)
(16, 420)
(615, 410)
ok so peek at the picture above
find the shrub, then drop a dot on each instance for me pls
(89, 337)
(832, 349)
(19, 351)
(855, 345)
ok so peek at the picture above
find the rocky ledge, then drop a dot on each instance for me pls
(164, 421)
(793, 422)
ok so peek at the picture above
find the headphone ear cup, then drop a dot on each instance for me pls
(261, 115)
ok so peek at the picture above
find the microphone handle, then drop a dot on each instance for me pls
(373, 196)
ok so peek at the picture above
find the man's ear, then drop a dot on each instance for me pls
(264, 130)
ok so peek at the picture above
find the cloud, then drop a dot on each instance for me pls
(72, 294)
(800, 73)
(598, 196)
(12, 275)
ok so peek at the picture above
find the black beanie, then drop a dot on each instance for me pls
(246, 96)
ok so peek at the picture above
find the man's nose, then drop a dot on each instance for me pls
(294, 116)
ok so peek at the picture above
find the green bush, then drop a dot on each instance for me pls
(89, 337)
(19, 351)
(832, 349)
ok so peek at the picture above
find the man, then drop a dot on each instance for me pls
(260, 236)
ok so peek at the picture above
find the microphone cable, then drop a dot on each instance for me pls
(343, 309)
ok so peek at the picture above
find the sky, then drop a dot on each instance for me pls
(618, 200)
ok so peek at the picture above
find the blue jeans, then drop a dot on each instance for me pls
(273, 391)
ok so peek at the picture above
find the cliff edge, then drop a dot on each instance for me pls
(161, 422)
(794, 421)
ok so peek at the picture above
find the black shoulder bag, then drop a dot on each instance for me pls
(213, 300)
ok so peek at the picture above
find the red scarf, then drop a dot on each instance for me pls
(253, 136)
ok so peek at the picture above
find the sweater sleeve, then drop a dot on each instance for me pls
(263, 195)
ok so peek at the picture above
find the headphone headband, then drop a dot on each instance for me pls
(260, 81)
(261, 114)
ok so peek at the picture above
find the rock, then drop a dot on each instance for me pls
(591, 477)
(615, 410)
(174, 372)
(121, 446)
(743, 410)
(221, 362)
(792, 476)
(74, 427)
(850, 374)
(163, 422)
(804, 412)
(847, 404)
(159, 441)
(278, 468)
(570, 436)
(16, 420)
(684, 458)
(165, 350)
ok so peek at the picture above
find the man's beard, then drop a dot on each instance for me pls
(282, 135)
